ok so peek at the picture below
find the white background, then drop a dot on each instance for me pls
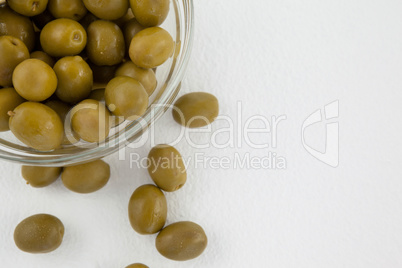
(278, 58)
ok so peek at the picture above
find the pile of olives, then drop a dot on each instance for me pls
(91, 64)
(55, 54)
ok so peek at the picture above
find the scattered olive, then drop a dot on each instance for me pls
(151, 47)
(181, 241)
(37, 125)
(166, 167)
(12, 52)
(34, 80)
(86, 178)
(150, 12)
(196, 109)
(63, 37)
(9, 100)
(41, 233)
(145, 76)
(39, 177)
(147, 209)
(75, 79)
(90, 120)
(126, 97)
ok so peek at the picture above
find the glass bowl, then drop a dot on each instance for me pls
(179, 24)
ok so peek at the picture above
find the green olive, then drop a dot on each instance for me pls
(72, 9)
(146, 77)
(105, 43)
(151, 47)
(196, 109)
(147, 209)
(28, 7)
(18, 26)
(166, 167)
(150, 12)
(86, 178)
(40, 55)
(63, 37)
(181, 241)
(126, 97)
(107, 9)
(39, 177)
(37, 126)
(137, 265)
(63, 109)
(75, 79)
(9, 100)
(34, 80)
(90, 120)
(40, 233)
(130, 29)
(12, 52)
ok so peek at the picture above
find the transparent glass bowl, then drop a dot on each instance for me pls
(179, 24)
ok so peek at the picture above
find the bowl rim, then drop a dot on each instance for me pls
(133, 130)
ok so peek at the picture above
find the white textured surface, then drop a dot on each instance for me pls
(277, 57)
